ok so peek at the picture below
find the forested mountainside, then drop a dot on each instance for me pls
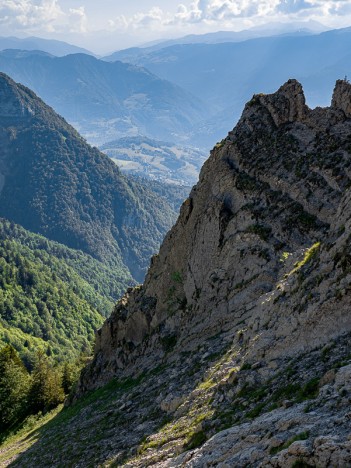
(52, 182)
(105, 101)
(52, 298)
(236, 350)
(174, 194)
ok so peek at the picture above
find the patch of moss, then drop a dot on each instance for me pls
(246, 182)
(168, 342)
(309, 390)
(261, 230)
(301, 436)
(309, 255)
(220, 144)
(246, 366)
(301, 464)
(177, 277)
(256, 411)
(196, 440)
(287, 391)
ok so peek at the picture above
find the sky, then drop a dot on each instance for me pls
(107, 25)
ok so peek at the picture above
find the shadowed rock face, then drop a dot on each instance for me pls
(257, 270)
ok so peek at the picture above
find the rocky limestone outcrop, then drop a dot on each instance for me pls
(285, 437)
(287, 105)
(244, 318)
(342, 97)
(277, 185)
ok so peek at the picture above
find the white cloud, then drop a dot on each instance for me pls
(340, 8)
(39, 15)
(293, 6)
(224, 13)
(96, 22)
(77, 19)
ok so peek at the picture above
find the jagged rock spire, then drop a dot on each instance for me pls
(342, 97)
(286, 105)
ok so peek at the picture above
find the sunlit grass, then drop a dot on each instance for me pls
(20, 441)
(309, 254)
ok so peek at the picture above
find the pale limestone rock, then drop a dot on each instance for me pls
(342, 97)
(287, 104)
(343, 378)
(171, 403)
(260, 259)
(300, 448)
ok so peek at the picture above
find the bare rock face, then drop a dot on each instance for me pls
(295, 439)
(246, 299)
(276, 186)
(286, 105)
(342, 97)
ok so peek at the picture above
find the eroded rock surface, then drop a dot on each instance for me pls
(286, 436)
(274, 188)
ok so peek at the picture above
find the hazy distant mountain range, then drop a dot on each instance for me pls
(186, 93)
(224, 75)
(218, 72)
(58, 48)
(105, 100)
(268, 29)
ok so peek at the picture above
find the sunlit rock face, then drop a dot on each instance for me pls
(246, 299)
(275, 185)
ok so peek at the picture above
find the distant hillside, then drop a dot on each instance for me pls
(54, 183)
(225, 75)
(193, 92)
(268, 29)
(174, 194)
(51, 297)
(58, 48)
(155, 159)
(105, 100)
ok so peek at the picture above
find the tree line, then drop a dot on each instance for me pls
(24, 391)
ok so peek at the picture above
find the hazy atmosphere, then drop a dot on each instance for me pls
(107, 25)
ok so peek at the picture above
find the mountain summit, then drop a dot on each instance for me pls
(236, 348)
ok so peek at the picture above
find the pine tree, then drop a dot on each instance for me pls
(14, 388)
(69, 376)
(46, 391)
